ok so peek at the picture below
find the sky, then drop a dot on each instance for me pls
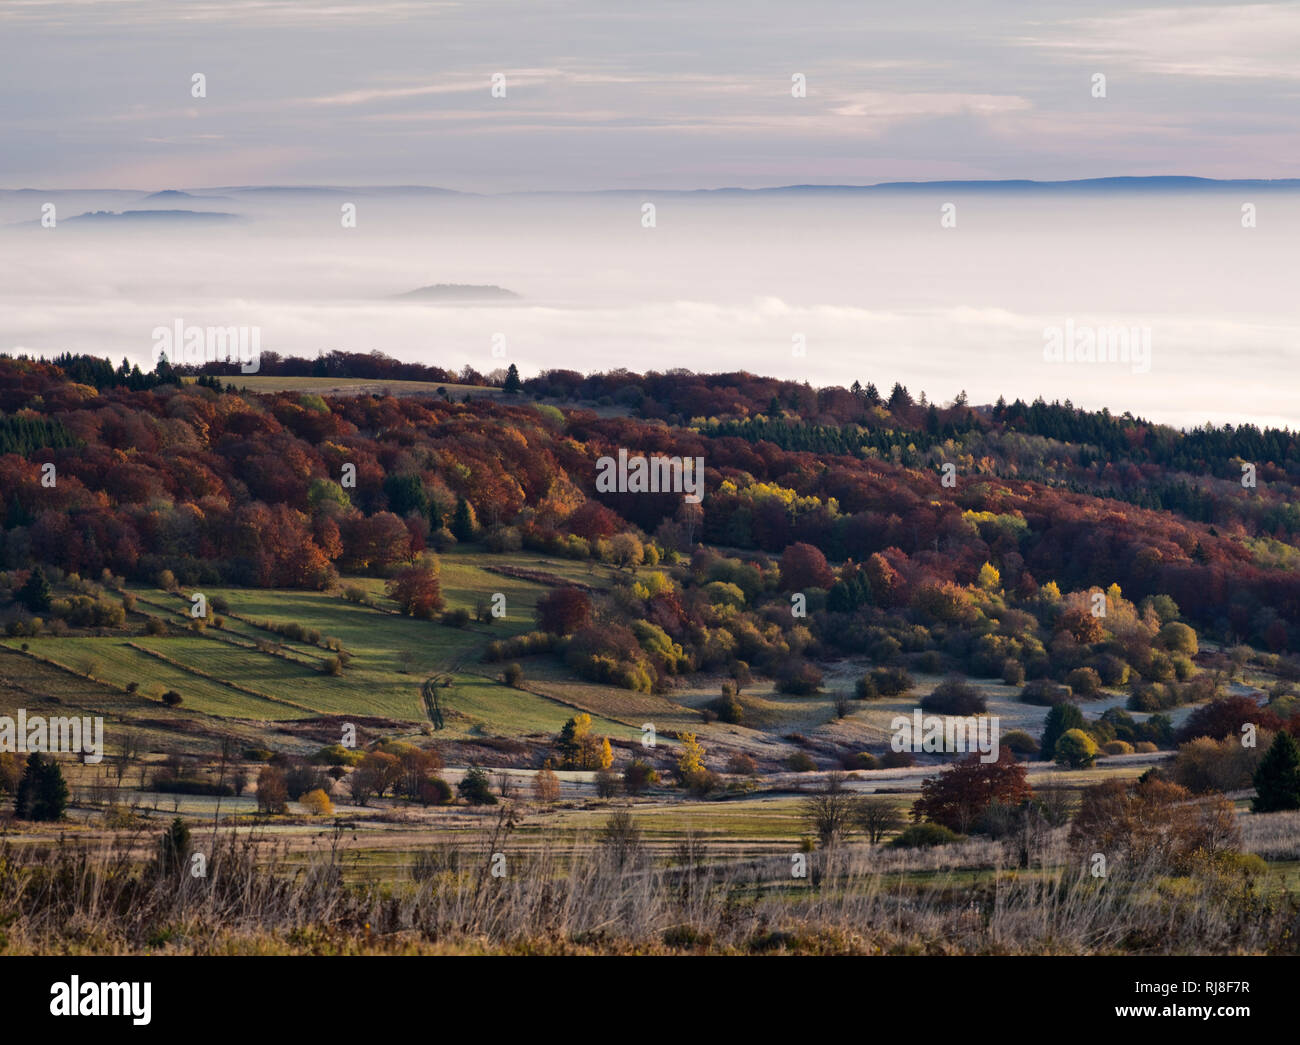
(672, 95)
(99, 108)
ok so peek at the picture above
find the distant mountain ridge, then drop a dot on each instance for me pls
(1159, 182)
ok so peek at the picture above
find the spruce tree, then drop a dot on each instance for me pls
(174, 848)
(462, 523)
(35, 594)
(1060, 720)
(513, 384)
(1277, 780)
(42, 792)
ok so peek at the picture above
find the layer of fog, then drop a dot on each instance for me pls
(877, 288)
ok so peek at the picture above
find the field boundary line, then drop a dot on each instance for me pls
(220, 681)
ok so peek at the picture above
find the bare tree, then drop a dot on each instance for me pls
(505, 785)
(829, 812)
(131, 745)
(877, 817)
(621, 837)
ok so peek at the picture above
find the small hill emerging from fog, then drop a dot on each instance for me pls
(157, 217)
(444, 292)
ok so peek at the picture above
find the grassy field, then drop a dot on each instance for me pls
(355, 386)
(248, 672)
(244, 671)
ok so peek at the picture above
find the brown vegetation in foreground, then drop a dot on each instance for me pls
(61, 899)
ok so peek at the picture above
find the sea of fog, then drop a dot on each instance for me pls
(823, 286)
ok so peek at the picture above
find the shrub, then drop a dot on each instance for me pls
(865, 688)
(1020, 742)
(512, 675)
(607, 783)
(741, 765)
(338, 755)
(1178, 638)
(520, 646)
(728, 708)
(1154, 822)
(1204, 765)
(892, 682)
(638, 776)
(1045, 693)
(457, 618)
(171, 698)
(702, 782)
(11, 772)
(332, 666)
(800, 762)
(1145, 747)
(546, 786)
(1110, 669)
(1076, 749)
(434, 791)
(475, 788)
(955, 697)
(1084, 681)
(798, 677)
(166, 784)
(930, 662)
(317, 803)
(897, 760)
(1013, 672)
(1117, 747)
(925, 836)
(860, 761)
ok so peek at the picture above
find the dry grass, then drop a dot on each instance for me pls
(1273, 836)
(58, 898)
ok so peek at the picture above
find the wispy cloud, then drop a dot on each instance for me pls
(1247, 41)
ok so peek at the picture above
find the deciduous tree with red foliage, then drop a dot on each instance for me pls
(593, 520)
(1225, 717)
(417, 590)
(959, 794)
(563, 610)
(803, 566)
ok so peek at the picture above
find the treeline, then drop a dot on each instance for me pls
(1206, 449)
(24, 435)
(373, 366)
(251, 489)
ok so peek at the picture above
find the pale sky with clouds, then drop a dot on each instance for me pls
(674, 95)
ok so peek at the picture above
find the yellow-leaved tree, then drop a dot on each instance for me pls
(690, 759)
(317, 803)
(990, 579)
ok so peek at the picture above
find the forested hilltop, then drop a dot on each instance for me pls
(836, 494)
